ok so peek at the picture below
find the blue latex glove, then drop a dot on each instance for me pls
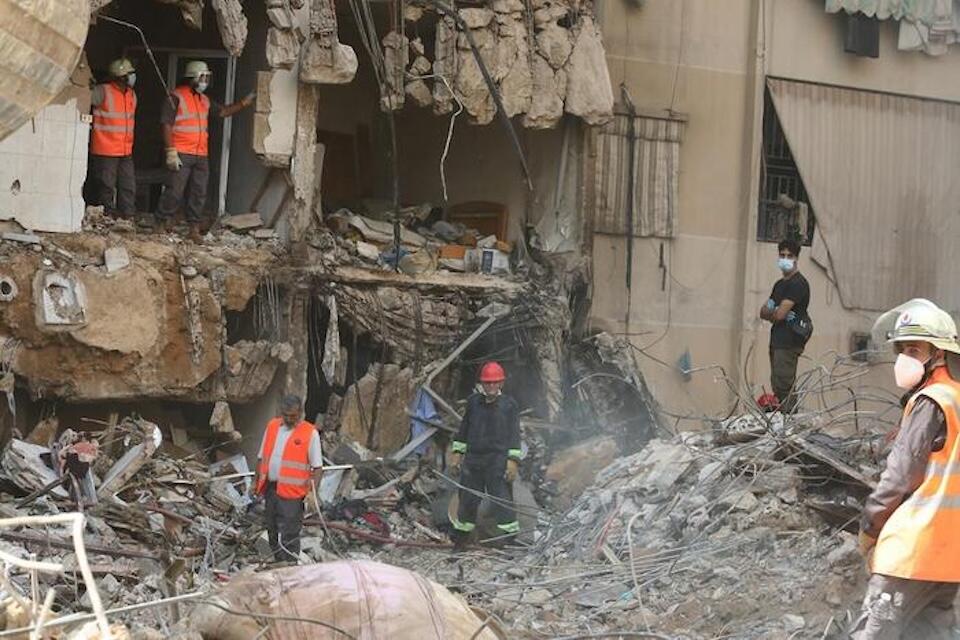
(771, 304)
(791, 316)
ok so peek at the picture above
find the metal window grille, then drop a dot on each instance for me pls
(780, 177)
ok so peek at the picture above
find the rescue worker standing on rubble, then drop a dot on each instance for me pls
(487, 448)
(910, 527)
(111, 140)
(185, 117)
(786, 311)
(289, 462)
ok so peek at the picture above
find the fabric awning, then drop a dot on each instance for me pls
(925, 11)
(880, 171)
(656, 174)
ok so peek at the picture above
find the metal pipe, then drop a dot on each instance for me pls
(84, 617)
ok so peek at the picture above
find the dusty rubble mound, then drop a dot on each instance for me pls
(737, 532)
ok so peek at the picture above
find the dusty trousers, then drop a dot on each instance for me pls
(783, 374)
(116, 183)
(896, 608)
(483, 473)
(192, 179)
(284, 520)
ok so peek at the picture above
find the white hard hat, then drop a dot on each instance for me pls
(921, 320)
(120, 67)
(196, 68)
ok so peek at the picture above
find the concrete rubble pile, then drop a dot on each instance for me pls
(691, 536)
(428, 244)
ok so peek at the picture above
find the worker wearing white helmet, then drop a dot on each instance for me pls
(185, 117)
(111, 140)
(908, 530)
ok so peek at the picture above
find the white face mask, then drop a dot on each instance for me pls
(131, 79)
(908, 371)
(786, 264)
(201, 86)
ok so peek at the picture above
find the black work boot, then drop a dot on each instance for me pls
(461, 541)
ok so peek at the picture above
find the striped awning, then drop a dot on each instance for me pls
(656, 173)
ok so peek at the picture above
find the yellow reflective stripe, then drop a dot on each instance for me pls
(458, 446)
(111, 127)
(510, 527)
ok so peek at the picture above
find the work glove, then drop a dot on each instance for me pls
(791, 316)
(513, 469)
(771, 304)
(455, 460)
(248, 99)
(174, 163)
(866, 543)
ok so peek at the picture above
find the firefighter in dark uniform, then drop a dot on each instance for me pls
(487, 448)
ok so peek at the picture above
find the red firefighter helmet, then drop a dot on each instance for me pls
(492, 372)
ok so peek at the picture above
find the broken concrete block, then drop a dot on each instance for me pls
(508, 6)
(23, 465)
(232, 24)
(115, 259)
(396, 52)
(444, 65)
(476, 18)
(417, 90)
(336, 64)
(391, 428)
(264, 78)
(264, 234)
(281, 17)
(242, 221)
(221, 420)
(470, 84)
(24, 238)
(554, 43)
(589, 93)
(283, 48)
(549, 88)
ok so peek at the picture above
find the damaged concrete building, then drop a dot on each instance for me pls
(421, 187)
(293, 290)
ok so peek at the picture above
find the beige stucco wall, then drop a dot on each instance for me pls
(707, 60)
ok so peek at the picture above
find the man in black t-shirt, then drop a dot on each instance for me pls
(786, 308)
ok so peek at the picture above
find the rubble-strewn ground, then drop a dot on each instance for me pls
(686, 538)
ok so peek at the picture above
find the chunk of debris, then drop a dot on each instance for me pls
(115, 259)
(243, 221)
(221, 420)
(232, 23)
(24, 238)
(133, 460)
(367, 599)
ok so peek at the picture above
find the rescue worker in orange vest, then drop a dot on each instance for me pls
(288, 464)
(185, 117)
(111, 140)
(487, 446)
(910, 527)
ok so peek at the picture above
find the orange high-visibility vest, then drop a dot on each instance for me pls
(294, 480)
(113, 122)
(921, 540)
(190, 127)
